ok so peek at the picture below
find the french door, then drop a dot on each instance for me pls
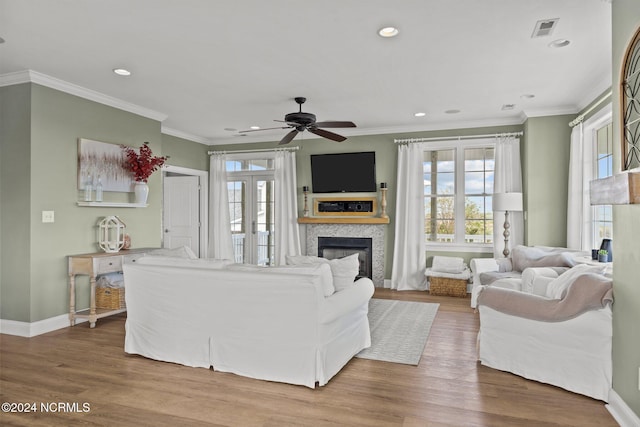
(251, 211)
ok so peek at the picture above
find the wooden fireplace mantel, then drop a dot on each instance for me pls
(343, 220)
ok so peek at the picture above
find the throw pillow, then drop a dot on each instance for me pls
(344, 270)
(557, 288)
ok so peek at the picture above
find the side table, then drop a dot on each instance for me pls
(92, 265)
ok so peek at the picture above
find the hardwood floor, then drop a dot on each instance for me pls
(448, 388)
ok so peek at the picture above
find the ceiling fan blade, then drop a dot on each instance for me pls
(335, 124)
(258, 130)
(326, 134)
(288, 137)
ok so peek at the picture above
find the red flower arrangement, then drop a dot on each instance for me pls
(142, 164)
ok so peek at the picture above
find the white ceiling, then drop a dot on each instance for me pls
(210, 65)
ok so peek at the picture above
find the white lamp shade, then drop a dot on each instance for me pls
(507, 202)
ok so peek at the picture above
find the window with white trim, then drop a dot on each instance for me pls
(602, 217)
(458, 188)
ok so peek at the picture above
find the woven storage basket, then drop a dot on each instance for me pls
(448, 287)
(111, 298)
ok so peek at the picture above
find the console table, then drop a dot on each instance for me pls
(93, 265)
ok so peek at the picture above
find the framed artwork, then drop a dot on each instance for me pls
(102, 161)
(630, 108)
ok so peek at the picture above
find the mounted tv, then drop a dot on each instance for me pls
(344, 172)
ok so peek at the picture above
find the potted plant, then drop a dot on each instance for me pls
(603, 255)
(142, 164)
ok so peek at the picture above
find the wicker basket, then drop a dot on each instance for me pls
(448, 287)
(110, 298)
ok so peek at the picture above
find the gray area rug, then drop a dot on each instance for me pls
(399, 330)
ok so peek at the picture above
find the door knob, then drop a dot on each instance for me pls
(166, 230)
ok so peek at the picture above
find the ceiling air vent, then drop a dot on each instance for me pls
(544, 28)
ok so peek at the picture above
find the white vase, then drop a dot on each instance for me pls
(141, 190)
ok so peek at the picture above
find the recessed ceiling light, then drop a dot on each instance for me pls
(255, 127)
(122, 71)
(420, 114)
(527, 96)
(388, 32)
(559, 43)
(452, 111)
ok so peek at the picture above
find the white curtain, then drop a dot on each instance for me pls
(287, 233)
(220, 244)
(578, 206)
(507, 179)
(409, 257)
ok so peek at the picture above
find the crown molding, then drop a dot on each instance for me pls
(556, 111)
(185, 135)
(30, 76)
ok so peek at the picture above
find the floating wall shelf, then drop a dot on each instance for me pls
(344, 220)
(112, 205)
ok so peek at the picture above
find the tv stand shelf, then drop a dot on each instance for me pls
(343, 220)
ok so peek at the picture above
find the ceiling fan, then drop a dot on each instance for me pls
(301, 121)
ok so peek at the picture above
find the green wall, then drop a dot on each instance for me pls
(15, 182)
(626, 234)
(545, 170)
(185, 153)
(39, 172)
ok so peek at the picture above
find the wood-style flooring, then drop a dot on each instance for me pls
(79, 365)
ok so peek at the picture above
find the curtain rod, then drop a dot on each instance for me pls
(257, 150)
(581, 117)
(442, 138)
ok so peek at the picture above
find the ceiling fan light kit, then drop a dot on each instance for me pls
(301, 121)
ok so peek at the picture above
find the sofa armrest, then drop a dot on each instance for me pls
(345, 301)
(478, 266)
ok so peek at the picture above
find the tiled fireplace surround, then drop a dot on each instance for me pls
(373, 231)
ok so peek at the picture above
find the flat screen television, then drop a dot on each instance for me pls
(344, 172)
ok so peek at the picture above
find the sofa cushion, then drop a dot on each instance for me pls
(181, 252)
(323, 270)
(557, 288)
(209, 263)
(488, 277)
(344, 270)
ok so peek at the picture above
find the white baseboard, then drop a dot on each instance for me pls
(28, 330)
(621, 411)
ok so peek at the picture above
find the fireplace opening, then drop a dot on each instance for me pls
(340, 247)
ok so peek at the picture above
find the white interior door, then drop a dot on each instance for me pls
(181, 212)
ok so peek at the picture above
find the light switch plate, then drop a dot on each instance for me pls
(48, 216)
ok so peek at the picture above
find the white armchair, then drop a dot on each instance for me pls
(563, 337)
(539, 262)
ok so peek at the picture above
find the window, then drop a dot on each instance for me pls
(458, 188)
(602, 224)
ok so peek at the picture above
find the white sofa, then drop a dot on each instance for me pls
(527, 264)
(562, 337)
(266, 323)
